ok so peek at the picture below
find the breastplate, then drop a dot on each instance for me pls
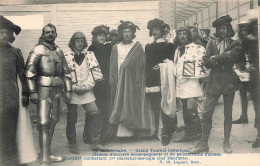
(50, 64)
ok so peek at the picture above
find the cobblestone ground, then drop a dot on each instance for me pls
(242, 136)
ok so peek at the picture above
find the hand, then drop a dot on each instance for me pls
(212, 57)
(77, 90)
(156, 67)
(25, 101)
(34, 98)
(67, 97)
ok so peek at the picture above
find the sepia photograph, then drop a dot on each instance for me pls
(129, 83)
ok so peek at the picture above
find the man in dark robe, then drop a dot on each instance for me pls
(156, 53)
(11, 65)
(127, 84)
(102, 51)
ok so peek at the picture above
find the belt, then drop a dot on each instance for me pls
(153, 89)
(50, 81)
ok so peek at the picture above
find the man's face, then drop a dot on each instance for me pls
(101, 38)
(5, 35)
(183, 37)
(79, 44)
(127, 35)
(49, 34)
(223, 29)
(243, 32)
(194, 33)
(115, 39)
(156, 33)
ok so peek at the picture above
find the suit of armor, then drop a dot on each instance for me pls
(47, 72)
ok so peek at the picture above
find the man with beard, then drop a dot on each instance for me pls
(188, 88)
(156, 53)
(127, 83)
(195, 36)
(221, 54)
(47, 73)
(11, 65)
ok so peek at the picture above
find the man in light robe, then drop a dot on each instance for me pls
(129, 113)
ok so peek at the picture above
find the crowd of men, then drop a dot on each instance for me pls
(128, 91)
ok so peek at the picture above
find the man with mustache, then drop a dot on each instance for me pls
(47, 74)
(221, 54)
(188, 88)
(156, 53)
(11, 65)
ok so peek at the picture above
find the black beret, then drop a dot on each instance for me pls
(127, 24)
(182, 29)
(7, 24)
(157, 23)
(100, 29)
(221, 21)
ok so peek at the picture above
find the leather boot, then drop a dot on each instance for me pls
(226, 147)
(165, 139)
(200, 148)
(196, 126)
(227, 130)
(187, 136)
(87, 130)
(96, 146)
(74, 148)
(95, 120)
(241, 120)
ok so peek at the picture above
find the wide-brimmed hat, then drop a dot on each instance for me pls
(100, 29)
(222, 21)
(7, 24)
(127, 24)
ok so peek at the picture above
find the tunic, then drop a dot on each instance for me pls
(83, 77)
(188, 87)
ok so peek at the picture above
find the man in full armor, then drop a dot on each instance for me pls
(48, 74)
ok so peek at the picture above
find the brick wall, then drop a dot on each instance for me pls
(70, 18)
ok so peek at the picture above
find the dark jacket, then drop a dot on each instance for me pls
(156, 53)
(222, 78)
(11, 64)
(101, 88)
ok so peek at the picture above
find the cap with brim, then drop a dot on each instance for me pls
(7, 24)
(222, 21)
